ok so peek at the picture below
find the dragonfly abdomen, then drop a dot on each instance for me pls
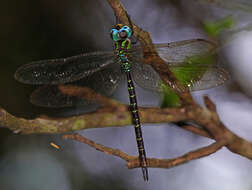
(137, 125)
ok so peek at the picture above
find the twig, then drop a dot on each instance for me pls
(168, 163)
(133, 161)
(196, 130)
(106, 150)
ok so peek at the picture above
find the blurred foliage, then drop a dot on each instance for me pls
(170, 98)
(213, 29)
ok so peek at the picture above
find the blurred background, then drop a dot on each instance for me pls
(35, 30)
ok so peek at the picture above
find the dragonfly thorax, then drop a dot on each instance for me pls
(122, 53)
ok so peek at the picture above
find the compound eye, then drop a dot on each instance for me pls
(114, 34)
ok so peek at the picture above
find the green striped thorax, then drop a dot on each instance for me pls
(121, 35)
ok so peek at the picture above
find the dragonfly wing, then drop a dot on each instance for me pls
(145, 76)
(192, 61)
(59, 71)
(104, 82)
(176, 52)
(51, 96)
(201, 77)
(210, 77)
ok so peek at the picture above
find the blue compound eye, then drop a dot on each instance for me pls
(127, 30)
(114, 34)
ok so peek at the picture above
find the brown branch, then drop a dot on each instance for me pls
(196, 130)
(168, 163)
(133, 161)
(209, 104)
(90, 120)
(102, 148)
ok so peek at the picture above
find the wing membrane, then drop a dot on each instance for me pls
(176, 52)
(104, 82)
(59, 71)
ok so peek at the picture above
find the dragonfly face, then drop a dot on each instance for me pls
(120, 32)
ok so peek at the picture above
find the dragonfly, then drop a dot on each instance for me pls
(191, 61)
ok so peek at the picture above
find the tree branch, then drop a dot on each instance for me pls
(133, 161)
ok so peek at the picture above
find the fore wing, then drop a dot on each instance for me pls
(60, 71)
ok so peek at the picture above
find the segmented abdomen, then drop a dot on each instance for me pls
(136, 120)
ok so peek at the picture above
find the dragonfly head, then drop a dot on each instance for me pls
(120, 32)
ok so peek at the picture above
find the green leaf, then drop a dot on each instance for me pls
(170, 98)
(215, 28)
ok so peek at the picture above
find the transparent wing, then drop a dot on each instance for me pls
(200, 77)
(51, 96)
(145, 76)
(104, 82)
(59, 71)
(176, 52)
(212, 77)
(192, 61)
